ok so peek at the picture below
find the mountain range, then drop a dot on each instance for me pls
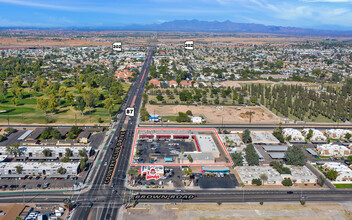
(232, 27)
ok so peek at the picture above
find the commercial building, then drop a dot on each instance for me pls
(173, 146)
(248, 173)
(298, 174)
(152, 172)
(263, 137)
(8, 169)
(207, 145)
(199, 157)
(333, 150)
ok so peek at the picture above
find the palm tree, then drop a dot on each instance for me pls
(263, 177)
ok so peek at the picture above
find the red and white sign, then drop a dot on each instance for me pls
(152, 175)
(152, 172)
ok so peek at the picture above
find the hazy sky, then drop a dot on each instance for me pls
(320, 14)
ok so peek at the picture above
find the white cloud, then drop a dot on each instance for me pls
(331, 1)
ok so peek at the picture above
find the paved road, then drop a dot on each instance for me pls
(107, 203)
(248, 126)
(113, 200)
(106, 197)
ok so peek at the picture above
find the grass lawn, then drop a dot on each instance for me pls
(171, 118)
(343, 185)
(26, 111)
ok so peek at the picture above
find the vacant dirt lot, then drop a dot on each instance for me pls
(215, 114)
(240, 211)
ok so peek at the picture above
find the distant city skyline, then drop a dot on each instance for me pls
(317, 14)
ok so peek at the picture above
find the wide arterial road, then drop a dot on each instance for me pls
(112, 195)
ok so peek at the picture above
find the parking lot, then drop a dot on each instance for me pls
(174, 176)
(207, 182)
(152, 151)
(37, 182)
(40, 182)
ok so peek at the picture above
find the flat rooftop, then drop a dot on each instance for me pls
(206, 143)
(263, 137)
(279, 148)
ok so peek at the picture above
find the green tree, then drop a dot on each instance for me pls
(62, 91)
(189, 157)
(82, 153)
(295, 156)
(159, 97)
(237, 159)
(42, 104)
(246, 137)
(252, 157)
(17, 82)
(69, 98)
(52, 104)
(14, 100)
(310, 134)
(183, 117)
(83, 163)
(279, 136)
(287, 182)
(133, 172)
(61, 170)
(91, 97)
(68, 152)
(80, 104)
(302, 201)
(19, 169)
(348, 136)
(257, 182)
(189, 112)
(263, 177)
(46, 152)
(109, 105)
(332, 174)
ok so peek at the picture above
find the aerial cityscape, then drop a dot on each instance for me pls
(153, 110)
